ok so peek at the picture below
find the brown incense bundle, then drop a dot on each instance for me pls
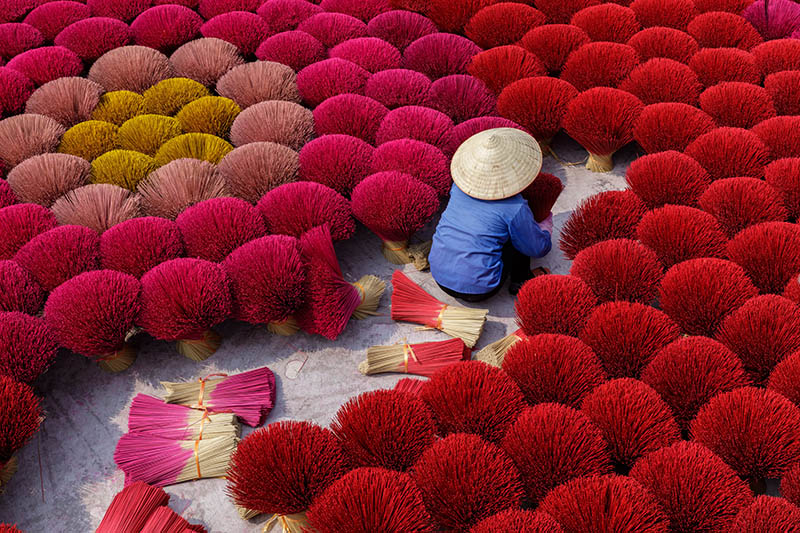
(420, 359)
(410, 303)
(494, 353)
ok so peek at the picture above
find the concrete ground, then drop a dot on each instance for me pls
(67, 476)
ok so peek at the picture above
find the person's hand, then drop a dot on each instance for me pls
(547, 224)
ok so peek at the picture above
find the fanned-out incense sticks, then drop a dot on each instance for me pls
(152, 416)
(421, 359)
(248, 395)
(410, 385)
(161, 462)
(131, 508)
(165, 520)
(410, 303)
(494, 353)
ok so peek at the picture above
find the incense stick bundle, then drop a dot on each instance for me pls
(410, 303)
(249, 395)
(330, 300)
(165, 520)
(421, 359)
(494, 353)
(131, 507)
(163, 462)
(410, 385)
(542, 195)
(152, 416)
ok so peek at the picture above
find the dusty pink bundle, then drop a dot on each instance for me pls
(131, 507)
(156, 418)
(249, 395)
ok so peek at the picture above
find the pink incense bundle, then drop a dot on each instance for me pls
(542, 195)
(182, 299)
(410, 303)
(267, 282)
(330, 300)
(154, 417)
(401, 28)
(93, 314)
(19, 223)
(351, 114)
(131, 507)
(165, 520)
(336, 161)
(249, 395)
(139, 244)
(294, 208)
(422, 359)
(394, 206)
(602, 120)
(18, 290)
(422, 160)
(440, 54)
(27, 346)
(20, 418)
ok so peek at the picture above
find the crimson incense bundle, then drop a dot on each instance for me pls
(330, 300)
(410, 385)
(543, 194)
(20, 417)
(249, 395)
(422, 359)
(131, 507)
(410, 303)
(165, 520)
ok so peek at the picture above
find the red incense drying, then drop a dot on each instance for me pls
(440, 54)
(241, 28)
(608, 22)
(554, 304)
(369, 53)
(280, 15)
(716, 65)
(664, 42)
(668, 177)
(165, 520)
(409, 385)
(325, 79)
(607, 215)
(677, 233)
(737, 105)
(755, 431)
(633, 418)
(295, 208)
(730, 153)
(93, 314)
(551, 444)
(368, 499)
(182, 300)
(518, 520)
(670, 13)
(472, 397)
(619, 269)
(777, 56)
(738, 203)
(330, 300)
(7, 195)
(561, 11)
(767, 514)
(538, 104)
(763, 332)
(777, 133)
(553, 369)
(618, 504)
(723, 30)
(267, 282)
(670, 126)
(542, 195)
(599, 64)
(410, 303)
(333, 28)
(500, 67)
(690, 371)
(249, 395)
(422, 359)
(397, 88)
(394, 206)
(784, 379)
(214, 228)
(464, 479)
(769, 253)
(282, 468)
(663, 80)
(627, 336)
(695, 488)
(552, 43)
(18, 290)
(131, 507)
(602, 120)
(784, 176)
(384, 428)
(783, 88)
(502, 24)
(20, 417)
(790, 484)
(295, 49)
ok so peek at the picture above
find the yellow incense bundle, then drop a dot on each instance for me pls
(402, 253)
(200, 349)
(118, 361)
(284, 328)
(370, 290)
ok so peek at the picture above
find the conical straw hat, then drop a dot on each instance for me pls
(496, 164)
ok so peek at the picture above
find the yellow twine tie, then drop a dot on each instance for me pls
(408, 350)
(440, 318)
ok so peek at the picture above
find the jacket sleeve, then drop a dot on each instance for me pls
(526, 235)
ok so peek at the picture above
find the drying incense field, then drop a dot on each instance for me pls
(216, 310)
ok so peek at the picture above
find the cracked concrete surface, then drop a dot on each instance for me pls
(87, 408)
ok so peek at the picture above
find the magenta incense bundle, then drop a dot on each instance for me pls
(154, 417)
(249, 395)
(160, 461)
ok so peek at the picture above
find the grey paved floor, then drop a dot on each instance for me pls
(87, 408)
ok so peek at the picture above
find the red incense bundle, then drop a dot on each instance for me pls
(410, 385)
(248, 395)
(330, 300)
(494, 353)
(165, 520)
(155, 417)
(131, 507)
(422, 359)
(410, 303)
(542, 195)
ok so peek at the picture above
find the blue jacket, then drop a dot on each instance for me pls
(468, 244)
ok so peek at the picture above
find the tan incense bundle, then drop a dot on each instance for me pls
(401, 253)
(370, 290)
(410, 303)
(422, 359)
(494, 353)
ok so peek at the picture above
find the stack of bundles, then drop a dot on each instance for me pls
(141, 507)
(410, 303)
